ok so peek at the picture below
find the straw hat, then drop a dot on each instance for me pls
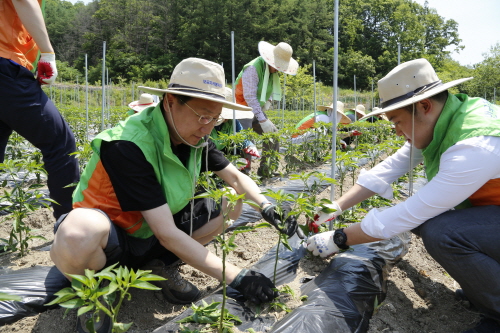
(279, 57)
(340, 111)
(408, 83)
(228, 113)
(360, 111)
(145, 101)
(198, 78)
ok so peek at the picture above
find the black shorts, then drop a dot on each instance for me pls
(134, 252)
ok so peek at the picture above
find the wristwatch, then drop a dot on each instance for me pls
(340, 239)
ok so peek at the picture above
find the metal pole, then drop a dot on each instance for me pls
(355, 99)
(399, 52)
(103, 82)
(372, 96)
(86, 97)
(314, 85)
(232, 84)
(284, 102)
(335, 92)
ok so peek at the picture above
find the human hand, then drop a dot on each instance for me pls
(242, 163)
(255, 286)
(322, 244)
(47, 70)
(289, 227)
(324, 213)
(252, 151)
(355, 133)
(268, 126)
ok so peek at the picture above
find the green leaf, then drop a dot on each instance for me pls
(72, 303)
(85, 309)
(121, 327)
(144, 285)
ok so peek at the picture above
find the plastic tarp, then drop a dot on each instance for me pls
(35, 285)
(341, 298)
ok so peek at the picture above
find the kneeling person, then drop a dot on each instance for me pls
(133, 204)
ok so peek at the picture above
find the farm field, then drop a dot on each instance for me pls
(420, 294)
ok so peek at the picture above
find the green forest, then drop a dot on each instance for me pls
(145, 39)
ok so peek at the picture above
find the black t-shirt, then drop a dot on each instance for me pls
(133, 177)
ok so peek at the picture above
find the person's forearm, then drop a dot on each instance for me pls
(356, 235)
(31, 16)
(355, 195)
(198, 256)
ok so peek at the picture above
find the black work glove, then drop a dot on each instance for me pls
(255, 286)
(271, 215)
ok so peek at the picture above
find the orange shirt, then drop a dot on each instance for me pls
(16, 43)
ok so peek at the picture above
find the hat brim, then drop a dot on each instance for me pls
(266, 52)
(359, 114)
(228, 114)
(417, 98)
(344, 120)
(140, 107)
(222, 100)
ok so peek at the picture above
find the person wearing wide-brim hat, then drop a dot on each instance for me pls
(457, 213)
(356, 113)
(324, 114)
(134, 202)
(145, 101)
(258, 83)
(229, 126)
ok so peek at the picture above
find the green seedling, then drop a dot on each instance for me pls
(23, 199)
(226, 244)
(88, 293)
(211, 314)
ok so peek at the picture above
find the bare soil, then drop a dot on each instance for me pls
(420, 295)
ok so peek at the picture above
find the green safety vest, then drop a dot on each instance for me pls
(149, 131)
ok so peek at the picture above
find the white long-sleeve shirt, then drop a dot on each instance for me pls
(464, 168)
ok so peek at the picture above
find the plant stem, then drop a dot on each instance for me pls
(276, 259)
(224, 249)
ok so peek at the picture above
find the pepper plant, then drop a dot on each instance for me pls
(21, 200)
(226, 244)
(89, 293)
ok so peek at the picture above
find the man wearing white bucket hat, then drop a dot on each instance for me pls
(258, 83)
(457, 212)
(230, 124)
(144, 101)
(134, 204)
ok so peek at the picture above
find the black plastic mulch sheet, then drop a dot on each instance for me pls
(343, 296)
(340, 299)
(286, 271)
(36, 286)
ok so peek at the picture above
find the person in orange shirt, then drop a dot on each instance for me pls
(26, 109)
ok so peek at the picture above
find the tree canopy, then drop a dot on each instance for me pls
(145, 39)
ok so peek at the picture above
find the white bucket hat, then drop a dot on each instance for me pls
(198, 78)
(145, 101)
(279, 57)
(228, 113)
(408, 83)
(340, 111)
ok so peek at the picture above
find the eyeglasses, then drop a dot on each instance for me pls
(205, 120)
